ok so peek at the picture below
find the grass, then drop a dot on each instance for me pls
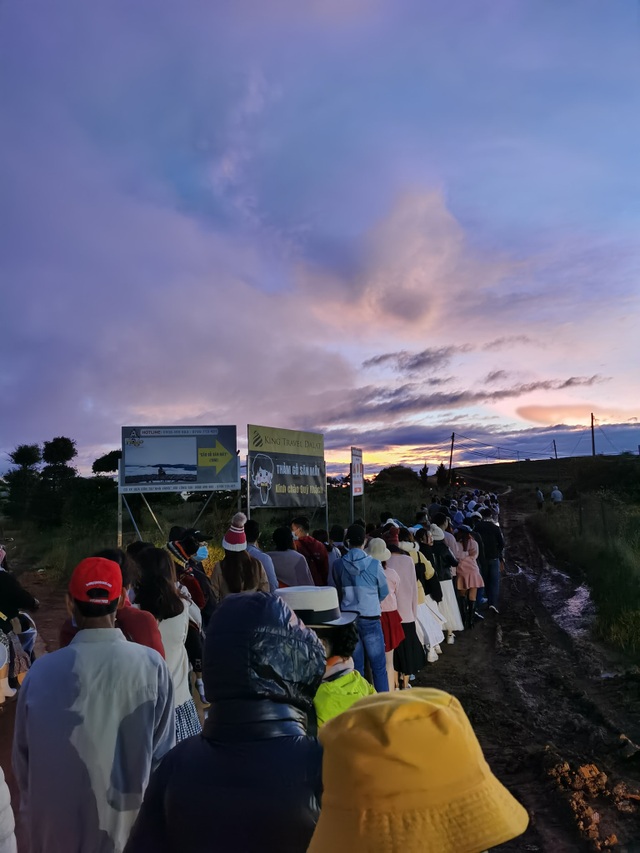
(600, 534)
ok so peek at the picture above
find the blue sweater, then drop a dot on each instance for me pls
(360, 581)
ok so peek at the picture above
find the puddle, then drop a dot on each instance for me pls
(571, 607)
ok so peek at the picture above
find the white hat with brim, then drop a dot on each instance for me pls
(316, 606)
(377, 548)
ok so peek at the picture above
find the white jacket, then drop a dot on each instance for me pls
(7, 822)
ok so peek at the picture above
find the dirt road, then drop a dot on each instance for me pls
(548, 704)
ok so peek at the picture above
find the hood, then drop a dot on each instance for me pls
(256, 648)
(357, 561)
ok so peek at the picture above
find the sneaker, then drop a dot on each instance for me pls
(451, 639)
(479, 615)
(432, 657)
(438, 649)
(494, 608)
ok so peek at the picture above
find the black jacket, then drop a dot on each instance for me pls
(252, 780)
(492, 540)
(13, 597)
(442, 560)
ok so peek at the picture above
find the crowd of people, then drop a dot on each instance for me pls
(268, 706)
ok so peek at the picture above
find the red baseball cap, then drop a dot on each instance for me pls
(96, 573)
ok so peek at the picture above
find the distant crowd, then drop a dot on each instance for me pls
(270, 706)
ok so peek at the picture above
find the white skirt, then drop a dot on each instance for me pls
(449, 607)
(428, 627)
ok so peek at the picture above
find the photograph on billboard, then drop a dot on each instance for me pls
(179, 459)
(285, 468)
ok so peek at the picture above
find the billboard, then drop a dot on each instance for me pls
(357, 472)
(285, 468)
(179, 459)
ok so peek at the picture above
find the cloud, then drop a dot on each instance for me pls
(507, 341)
(427, 360)
(496, 376)
(574, 413)
(381, 404)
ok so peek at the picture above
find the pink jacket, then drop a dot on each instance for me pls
(467, 560)
(393, 582)
(407, 592)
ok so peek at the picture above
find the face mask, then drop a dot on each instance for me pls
(202, 553)
(295, 535)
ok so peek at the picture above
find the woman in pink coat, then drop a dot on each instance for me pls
(468, 580)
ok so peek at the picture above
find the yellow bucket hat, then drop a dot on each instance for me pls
(405, 772)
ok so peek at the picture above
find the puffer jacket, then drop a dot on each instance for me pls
(252, 780)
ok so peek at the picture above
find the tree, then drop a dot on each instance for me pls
(59, 451)
(108, 463)
(442, 476)
(397, 475)
(424, 476)
(26, 456)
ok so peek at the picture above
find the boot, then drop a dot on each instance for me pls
(472, 614)
(6, 691)
(463, 601)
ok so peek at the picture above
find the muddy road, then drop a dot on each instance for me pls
(557, 715)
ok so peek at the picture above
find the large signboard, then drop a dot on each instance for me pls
(286, 468)
(357, 472)
(179, 459)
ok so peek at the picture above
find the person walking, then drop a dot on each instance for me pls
(252, 532)
(313, 551)
(238, 571)
(7, 821)
(93, 720)
(409, 656)
(252, 782)
(539, 498)
(137, 625)
(468, 577)
(291, 568)
(362, 586)
(556, 496)
(493, 543)
(157, 593)
(443, 561)
(342, 685)
(389, 616)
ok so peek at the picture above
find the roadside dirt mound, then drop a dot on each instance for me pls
(557, 715)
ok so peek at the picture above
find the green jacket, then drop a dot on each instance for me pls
(334, 697)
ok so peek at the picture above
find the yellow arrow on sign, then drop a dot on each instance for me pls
(217, 456)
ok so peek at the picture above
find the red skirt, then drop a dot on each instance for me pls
(392, 629)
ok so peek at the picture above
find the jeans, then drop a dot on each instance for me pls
(493, 581)
(371, 643)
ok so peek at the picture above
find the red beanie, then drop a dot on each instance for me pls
(234, 538)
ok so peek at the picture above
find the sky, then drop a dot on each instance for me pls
(384, 220)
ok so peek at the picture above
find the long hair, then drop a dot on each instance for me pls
(156, 591)
(241, 571)
(463, 537)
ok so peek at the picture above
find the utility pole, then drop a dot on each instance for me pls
(453, 438)
(555, 449)
(593, 436)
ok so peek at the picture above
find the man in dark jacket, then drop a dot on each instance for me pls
(252, 780)
(493, 543)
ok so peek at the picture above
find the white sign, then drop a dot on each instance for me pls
(357, 472)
